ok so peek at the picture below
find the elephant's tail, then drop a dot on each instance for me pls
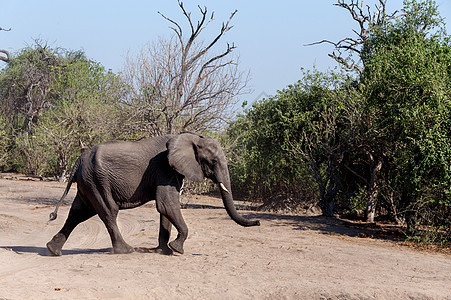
(54, 214)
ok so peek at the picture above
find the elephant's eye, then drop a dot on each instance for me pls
(214, 161)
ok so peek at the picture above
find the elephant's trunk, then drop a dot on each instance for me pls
(227, 199)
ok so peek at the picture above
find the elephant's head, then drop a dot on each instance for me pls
(197, 157)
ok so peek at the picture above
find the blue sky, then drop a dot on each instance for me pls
(269, 35)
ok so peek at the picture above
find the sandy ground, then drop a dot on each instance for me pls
(287, 257)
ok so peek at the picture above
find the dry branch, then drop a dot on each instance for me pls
(366, 20)
(6, 58)
(178, 84)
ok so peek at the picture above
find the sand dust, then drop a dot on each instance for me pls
(287, 257)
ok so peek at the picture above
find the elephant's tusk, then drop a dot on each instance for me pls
(221, 185)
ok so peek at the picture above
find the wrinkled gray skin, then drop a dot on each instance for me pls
(121, 175)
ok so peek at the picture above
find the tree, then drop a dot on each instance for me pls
(25, 84)
(328, 133)
(177, 84)
(352, 54)
(55, 103)
(86, 112)
(297, 142)
(261, 166)
(407, 82)
(3, 124)
(380, 31)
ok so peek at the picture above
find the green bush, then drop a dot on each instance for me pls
(290, 146)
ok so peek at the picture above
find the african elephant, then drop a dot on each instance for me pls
(120, 175)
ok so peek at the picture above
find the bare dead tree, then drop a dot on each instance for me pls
(7, 57)
(177, 84)
(366, 19)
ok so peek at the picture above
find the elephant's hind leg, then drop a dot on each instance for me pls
(108, 210)
(119, 244)
(79, 212)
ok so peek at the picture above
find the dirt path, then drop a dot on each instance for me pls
(287, 257)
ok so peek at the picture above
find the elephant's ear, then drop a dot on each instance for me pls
(182, 156)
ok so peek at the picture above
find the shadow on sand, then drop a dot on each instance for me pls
(332, 226)
(43, 251)
(324, 225)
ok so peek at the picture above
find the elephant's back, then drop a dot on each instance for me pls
(118, 168)
(129, 152)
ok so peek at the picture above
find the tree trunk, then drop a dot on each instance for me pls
(328, 191)
(328, 208)
(373, 191)
(398, 218)
(62, 177)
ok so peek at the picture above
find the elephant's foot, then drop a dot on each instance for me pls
(165, 250)
(123, 249)
(177, 246)
(56, 244)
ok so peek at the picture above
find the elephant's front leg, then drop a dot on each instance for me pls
(168, 205)
(163, 237)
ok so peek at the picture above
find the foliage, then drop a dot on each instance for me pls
(293, 143)
(408, 83)
(385, 138)
(25, 85)
(87, 112)
(55, 102)
(5, 140)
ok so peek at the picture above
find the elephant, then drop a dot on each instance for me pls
(118, 175)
